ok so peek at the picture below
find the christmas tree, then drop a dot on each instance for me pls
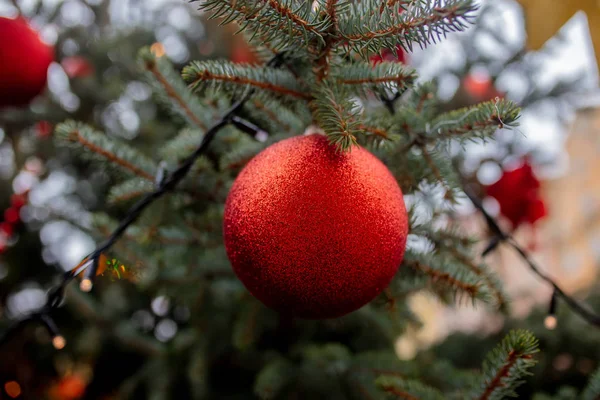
(348, 205)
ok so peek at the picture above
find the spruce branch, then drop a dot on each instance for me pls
(479, 121)
(235, 79)
(100, 147)
(277, 23)
(174, 92)
(422, 23)
(407, 389)
(382, 78)
(129, 189)
(337, 116)
(506, 365)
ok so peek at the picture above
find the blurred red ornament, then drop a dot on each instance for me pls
(242, 52)
(388, 56)
(479, 87)
(43, 129)
(77, 67)
(312, 232)
(11, 215)
(24, 62)
(69, 388)
(518, 194)
(6, 229)
(18, 201)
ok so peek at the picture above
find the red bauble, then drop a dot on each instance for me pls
(388, 55)
(479, 87)
(518, 195)
(77, 67)
(11, 215)
(313, 232)
(24, 62)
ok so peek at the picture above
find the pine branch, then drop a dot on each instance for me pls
(423, 23)
(383, 78)
(337, 116)
(129, 189)
(446, 278)
(407, 389)
(479, 121)
(102, 148)
(174, 92)
(274, 22)
(492, 283)
(283, 8)
(234, 79)
(506, 365)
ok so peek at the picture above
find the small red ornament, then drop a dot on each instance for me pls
(6, 229)
(18, 201)
(24, 62)
(388, 55)
(242, 52)
(77, 67)
(479, 87)
(43, 129)
(518, 194)
(11, 215)
(313, 232)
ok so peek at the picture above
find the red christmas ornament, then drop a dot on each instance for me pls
(518, 194)
(43, 129)
(6, 229)
(11, 215)
(312, 232)
(479, 87)
(388, 55)
(77, 67)
(25, 60)
(18, 201)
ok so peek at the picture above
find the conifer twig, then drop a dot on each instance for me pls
(90, 266)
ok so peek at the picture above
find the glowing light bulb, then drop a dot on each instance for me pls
(86, 285)
(157, 49)
(550, 322)
(59, 342)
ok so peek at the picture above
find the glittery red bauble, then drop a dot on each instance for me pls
(312, 232)
(24, 61)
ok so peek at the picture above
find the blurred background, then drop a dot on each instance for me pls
(545, 61)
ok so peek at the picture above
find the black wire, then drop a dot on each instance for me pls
(56, 294)
(502, 237)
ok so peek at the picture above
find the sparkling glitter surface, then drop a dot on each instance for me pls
(314, 233)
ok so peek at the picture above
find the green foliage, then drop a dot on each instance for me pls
(273, 377)
(269, 19)
(105, 150)
(170, 90)
(592, 390)
(235, 80)
(397, 387)
(506, 366)
(370, 25)
(386, 77)
(337, 115)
